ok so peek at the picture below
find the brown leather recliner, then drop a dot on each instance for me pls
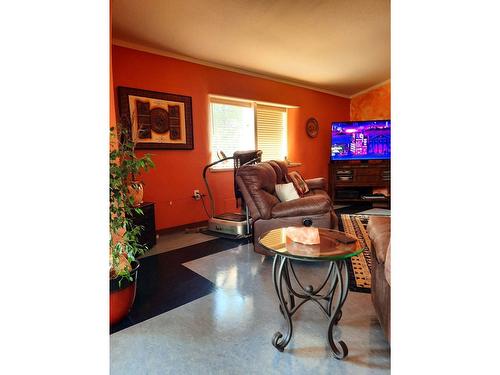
(257, 185)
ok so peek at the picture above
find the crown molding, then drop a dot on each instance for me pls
(156, 51)
(371, 88)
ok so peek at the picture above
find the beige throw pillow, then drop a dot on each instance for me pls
(286, 192)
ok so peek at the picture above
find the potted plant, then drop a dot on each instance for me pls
(124, 247)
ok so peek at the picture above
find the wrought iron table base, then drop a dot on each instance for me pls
(337, 274)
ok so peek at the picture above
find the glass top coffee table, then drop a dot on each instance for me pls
(313, 245)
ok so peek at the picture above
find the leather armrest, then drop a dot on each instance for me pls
(310, 205)
(316, 183)
(379, 231)
(387, 267)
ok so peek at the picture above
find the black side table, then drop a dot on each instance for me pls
(148, 235)
(332, 246)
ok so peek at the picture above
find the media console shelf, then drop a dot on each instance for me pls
(361, 181)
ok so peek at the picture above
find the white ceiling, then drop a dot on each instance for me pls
(338, 46)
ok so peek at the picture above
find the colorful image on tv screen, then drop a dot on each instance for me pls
(361, 140)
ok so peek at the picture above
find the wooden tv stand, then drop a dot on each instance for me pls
(355, 181)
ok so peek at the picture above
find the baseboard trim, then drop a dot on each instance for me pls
(197, 224)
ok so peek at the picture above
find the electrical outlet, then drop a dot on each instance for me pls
(197, 195)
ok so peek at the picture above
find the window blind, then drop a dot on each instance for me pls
(271, 132)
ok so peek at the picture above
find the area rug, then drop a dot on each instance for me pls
(358, 266)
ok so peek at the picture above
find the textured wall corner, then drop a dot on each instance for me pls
(372, 105)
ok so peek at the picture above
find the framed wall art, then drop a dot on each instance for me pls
(157, 120)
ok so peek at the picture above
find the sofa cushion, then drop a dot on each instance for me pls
(316, 183)
(310, 205)
(379, 230)
(318, 192)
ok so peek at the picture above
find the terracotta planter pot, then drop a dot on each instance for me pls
(122, 295)
(137, 192)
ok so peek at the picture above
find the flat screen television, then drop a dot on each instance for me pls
(361, 140)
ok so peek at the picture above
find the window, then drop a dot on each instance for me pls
(271, 132)
(246, 125)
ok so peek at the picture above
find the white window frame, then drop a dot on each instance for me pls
(253, 104)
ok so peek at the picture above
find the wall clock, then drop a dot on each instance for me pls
(312, 127)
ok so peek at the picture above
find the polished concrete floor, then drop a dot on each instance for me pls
(229, 331)
(177, 240)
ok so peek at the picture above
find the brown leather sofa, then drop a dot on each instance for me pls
(257, 185)
(379, 231)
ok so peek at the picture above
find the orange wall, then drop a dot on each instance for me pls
(178, 172)
(112, 107)
(372, 105)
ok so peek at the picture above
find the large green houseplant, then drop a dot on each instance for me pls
(124, 247)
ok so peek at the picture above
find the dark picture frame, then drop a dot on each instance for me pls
(157, 120)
